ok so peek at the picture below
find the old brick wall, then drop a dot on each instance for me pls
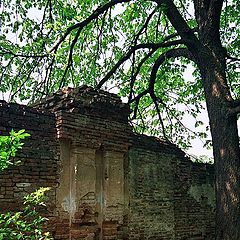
(170, 197)
(94, 196)
(39, 156)
(151, 188)
(194, 200)
(94, 135)
(107, 183)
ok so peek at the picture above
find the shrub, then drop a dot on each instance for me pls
(26, 224)
(9, 146)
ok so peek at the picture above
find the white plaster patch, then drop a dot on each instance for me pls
(69, 205)
(23, 184)
(203, 191)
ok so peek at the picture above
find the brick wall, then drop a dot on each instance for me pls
(94, 135)
(194, 200)
(39, 156)
(170, 197)
(107, 183)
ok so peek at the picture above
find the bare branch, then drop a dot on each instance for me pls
(233, 59)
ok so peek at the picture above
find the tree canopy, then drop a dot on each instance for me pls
(131, 45)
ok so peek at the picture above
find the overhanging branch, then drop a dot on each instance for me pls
(131, 51)
(234, 108)
(134, 76)
(94, 15)
(155, 101)
(178, 22)
(70, 60)
(173, 53)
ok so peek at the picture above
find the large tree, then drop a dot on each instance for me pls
(143, 48)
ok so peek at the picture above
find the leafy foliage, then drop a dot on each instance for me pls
(46, 45)
(26, 224)
(202, 159)
(9, 146)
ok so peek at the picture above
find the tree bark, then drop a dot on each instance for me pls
(212, 64)
(227, 171)
(225, 142)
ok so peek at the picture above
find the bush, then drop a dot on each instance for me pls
(26, 224)
(9, 146)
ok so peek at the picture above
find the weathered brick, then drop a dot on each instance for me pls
(110, 183)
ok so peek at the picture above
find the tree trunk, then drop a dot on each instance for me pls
(210, 56)
(225, 145)
(227, 171)
(211, 59)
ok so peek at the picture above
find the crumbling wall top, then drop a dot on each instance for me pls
(86, 100)
(155, 144)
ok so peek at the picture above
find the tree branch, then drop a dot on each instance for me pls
(94, 15)
(134, 76)
(155, 101)
(4, 52)
(69, 64)
(144, 25)
(233, 59)
(150, 90)
(173, 53)
(137, 100)
(234, 108)
(131, 51)
(179, 23)
(139, 96)
(179, 52)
